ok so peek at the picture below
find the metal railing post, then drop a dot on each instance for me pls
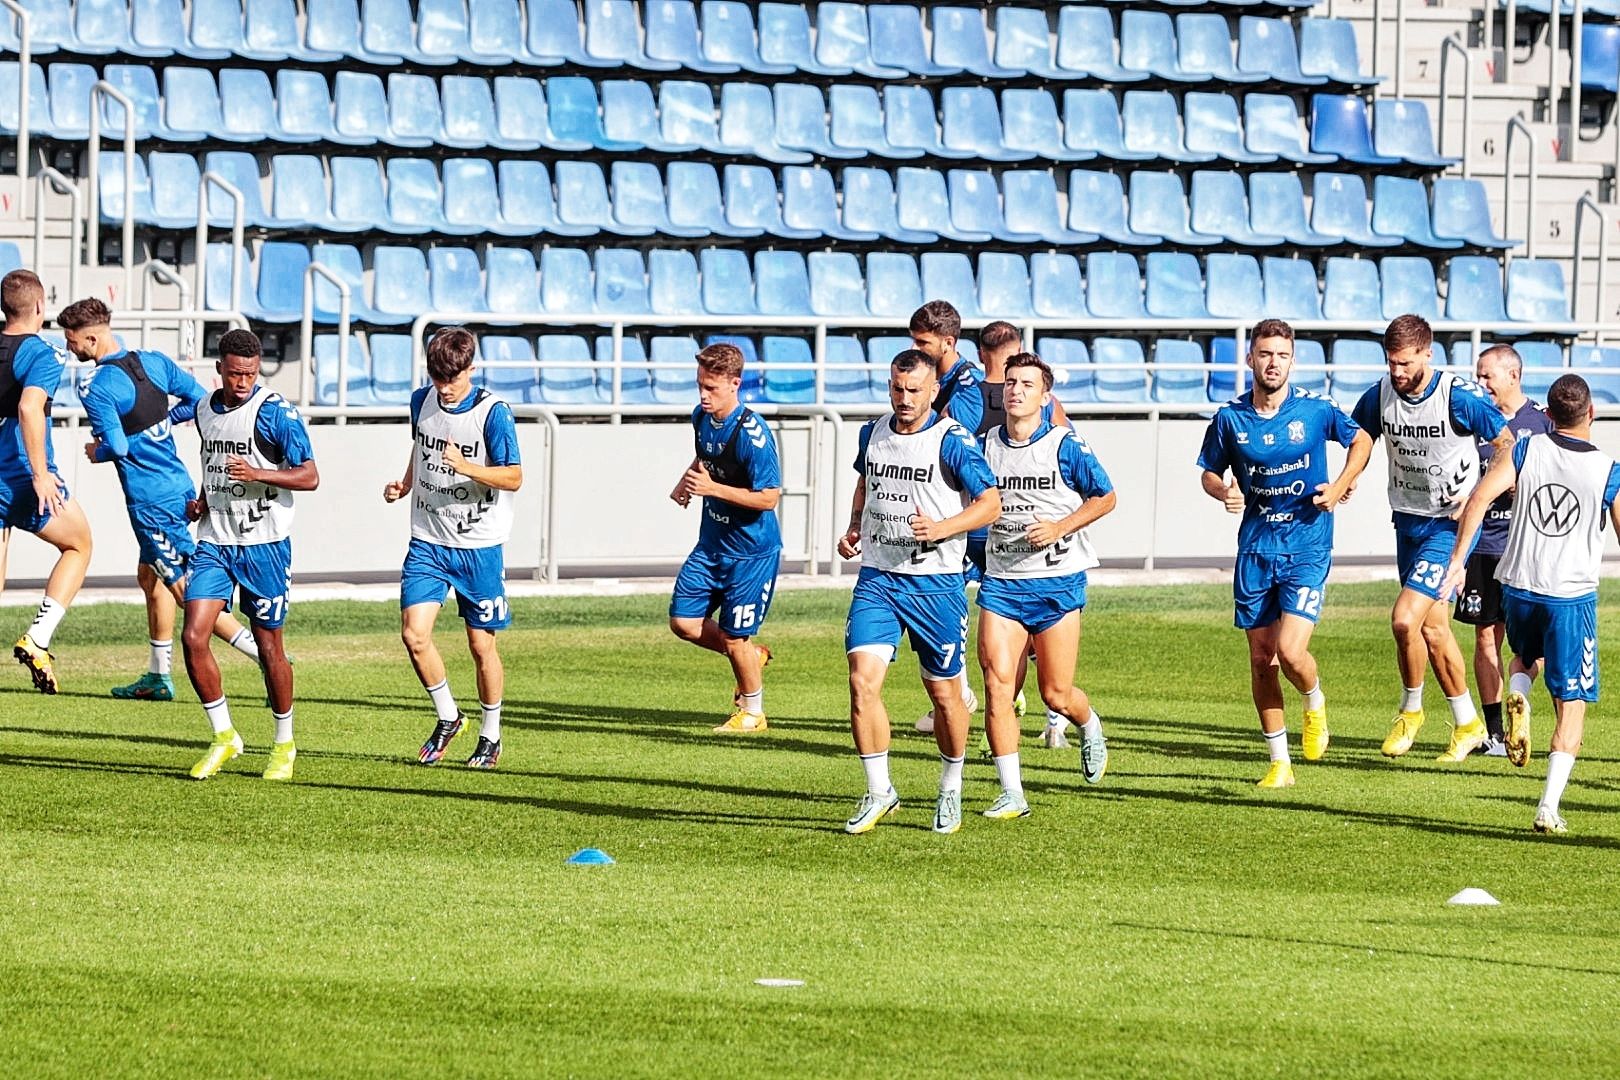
(1574, 82)
(190, 332)
(1447, 47)
(1377, 40)
(1510, 30)
(1400, 48)
(1518, 124)
(25, 61)
(548, 528)
(1552, 59)
(102, 89)
(1584, 205)
(50, 176)
(200, 273)
(306, 334)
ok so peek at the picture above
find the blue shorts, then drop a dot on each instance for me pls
(19, 506)
(1265, 587)
(1561, 631)
(1036, 604)
(739, 589)
(165, 540)
(477, 574)
(263, 571)
(885, 605)
(1423, 559)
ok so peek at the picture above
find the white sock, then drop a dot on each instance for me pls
(877, 772)
(242, 641)
(950, 773)
(219, 715)
(755, 702)
(967, 691)
(46, 621)
(1559, 764)
(1007, 772)
(1520, 683)
(1056, 719)
(1462, 709)
(1314, 699)
(444, 703)
(283, 726)
(161, 661)
(491, 729)
(1277, 744)
(1412, 698)
(1092, 728)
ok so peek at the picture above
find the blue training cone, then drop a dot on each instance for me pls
(590, 857)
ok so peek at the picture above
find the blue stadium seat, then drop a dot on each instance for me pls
(298, 193)
(1277, 207)
(781, 283)
(111, 189)
(1055, 288)
(495, 32)
(1409, 286)
(1266, 47)
(158, 28)
(1113, 286)
(357, 194)
(752, 202)
(881, 351)
(848, 384)
(99, 27)
(360, 108)
(1031, 127)
(1234, 289)
(784, 40)
(753, 382)
(1175, 286)
(507, 365)
(639, 202)
(1024, 43)
(191, 105)
(836, 284)
(139, 84)
(332, 28)
(673, 386)
(217, 282)
(1600, 58)
(415, 198)
(1187, 385)
(1328, 50)
(441, 32)
(635, 379)
(1308, 354)
(897, 36)
(687, 116)
(1350, 290)
(1474, 289)
(241, 170)
(174, 179)
(270, 31)
(801, 121)
(1147, 43)
(694, 201)
(216, 27)
(511, 280)
(1339, 127)
(301, 107)
(621, 282)
(948, 275)
(1075, 381)
(387, 29)
(922, 205)
(326, 354)
(566, 283)
(1401, 130)
(729, 38)
(857, 123)
(1461, 212)
(344, 261)
(469, 115)
(726, 282)
(554, 38)
(1030, 206)
(1153, 127)
(1221, 208)
(1401, 209)
(1339, 209)
(1158, 207)
(455, 279)
(39, 100)
(630, 117)
(1271, 126)
(870, 206)
(582, 198)
(1205, 42)
(415, 118)
(1600, 367)
(1097, 205)
(1223, 365)
(1291, 288)
(1004, 286)
(780, 383)
(1536, 292)
(893, 284)
(672, 282)
(843, 41)
(575, 115)
(748, 125)
(976, 206)
(527, 201)
(69, 89)
(400, 281)
(393, 369)
(1121, 373)
(1543, 365)
(522, 116)
(1348, 386)
(960, 44)
(1213, 128)
(911, 124)
(1086, 47)
(810, 204)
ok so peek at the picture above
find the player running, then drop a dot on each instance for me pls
(127, 403)
(1561, 487)
(1480, 603)
(1431, 419)
(461, 474)
(732, 570)
(924, 485)
(255, 454)
(1273, 439)
(1034, 585)
(32, 494)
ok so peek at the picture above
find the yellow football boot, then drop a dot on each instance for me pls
(1405, 729)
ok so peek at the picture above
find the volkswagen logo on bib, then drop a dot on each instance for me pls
(1554, 510)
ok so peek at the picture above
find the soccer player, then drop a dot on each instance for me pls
(924, 485)
(1480, 603)
(1562, 486)
(32, 495)
(732, 570)
(255, 454)
(1431, 420)
(1273, 439)
(127, 402)
(461, 473)
(1034, 585)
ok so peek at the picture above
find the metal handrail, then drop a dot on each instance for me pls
(101, 89)
(306, 344)
(201, 242)
(1447, 47)
(1377, 36)
(25, 61)
(1552, 58)
(1517, 124)
(1584, 205)
(1400, 48)
(163, 273)
(1574, 82)
(1510, 30)
(50, 176)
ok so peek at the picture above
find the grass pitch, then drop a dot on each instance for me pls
(378, 919)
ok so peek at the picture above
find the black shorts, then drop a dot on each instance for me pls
(1480, 601)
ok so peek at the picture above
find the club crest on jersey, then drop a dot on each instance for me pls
(1296, 431)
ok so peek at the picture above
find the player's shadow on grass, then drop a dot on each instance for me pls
(36, 761)
(109, 736)
(663, 725)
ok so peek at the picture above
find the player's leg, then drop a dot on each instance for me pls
(745, 600)
(278, 683)
(156, 684)
(424, 582)
(1301, 589)
(1445, 656)
(700, 590)
(871, 635)
(937, 626)
(1265, 687)
(69, 533)
(491, 695)
(265, 573)
(1522, 675)
(203, 671)
(479, 578)
(1057, 647)
(1003, 650)
(1488, 679)
(1573, 678)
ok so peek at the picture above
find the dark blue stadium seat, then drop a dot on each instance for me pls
(621, 282)
(1004, 285)
(1234, 288)
(1350, 290)
(1158, 207)
(1461, 212)
(911, 124)
(897, 36)
(455, 279)
(575, 115)
(1113, 286)
(554, 37)
(948, 275)
(836, 284)
(1600, 58)
(344, 261)
(1185, 385)
(729, 39)
(870, 206)
(416, 199)
(1277, 207)
(1205, 42)
(1339, 209)
(1147, 43)
(1271, 126)
(1030, 126)
(1055, 288)
(672, 282)
(1097, 205)
(922, 205)
(893, 284)
(1328, 50)
(687, 118)
(1409, 286)
(1536, 292)
(1401, 129)
(726, 282)
(784, 40)
(843, 41)
(748, 125)
(1075, 380)
(326, 354)
(1175, 286)
(1213, 128)
(1030, 201)
(1024, 43)
(1348, 386)
(960, 43)
(781, 283)
(1153, 127)
(1474, 289)
(1220, 207)
(694, 201)
(511, 280)
(1401, 209)
(1266, 47)
(1087, 48)
(1339, 127)
(1291, 288)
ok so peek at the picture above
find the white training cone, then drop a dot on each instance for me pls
(779, 982)
(1474, 898)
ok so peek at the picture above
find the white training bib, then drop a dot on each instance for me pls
(1032, 488)
(1555, 539)
(1432, 467)
(905, 475)
(239, 512)
(447, 508)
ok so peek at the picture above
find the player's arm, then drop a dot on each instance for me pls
(1213, 459)
(1330, 495)
(395, 490)
(1042, 533)
(284, 430)
(499, 477)
(110, 442)
(985, 508)
(1060, 418)
(1216, 487)
(1084, 473)
(183, 385)
(961, 458)
(698, 482)
(849, 545)
(504, 471)
(681, 496)
(35, 430)
(764, 472)
(1497, 480)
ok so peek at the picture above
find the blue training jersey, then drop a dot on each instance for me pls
(35, 363)
(500, 428)
(1278, 462)
(1531, 419)
(149, 465)
(959, 396)
(738, 451)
